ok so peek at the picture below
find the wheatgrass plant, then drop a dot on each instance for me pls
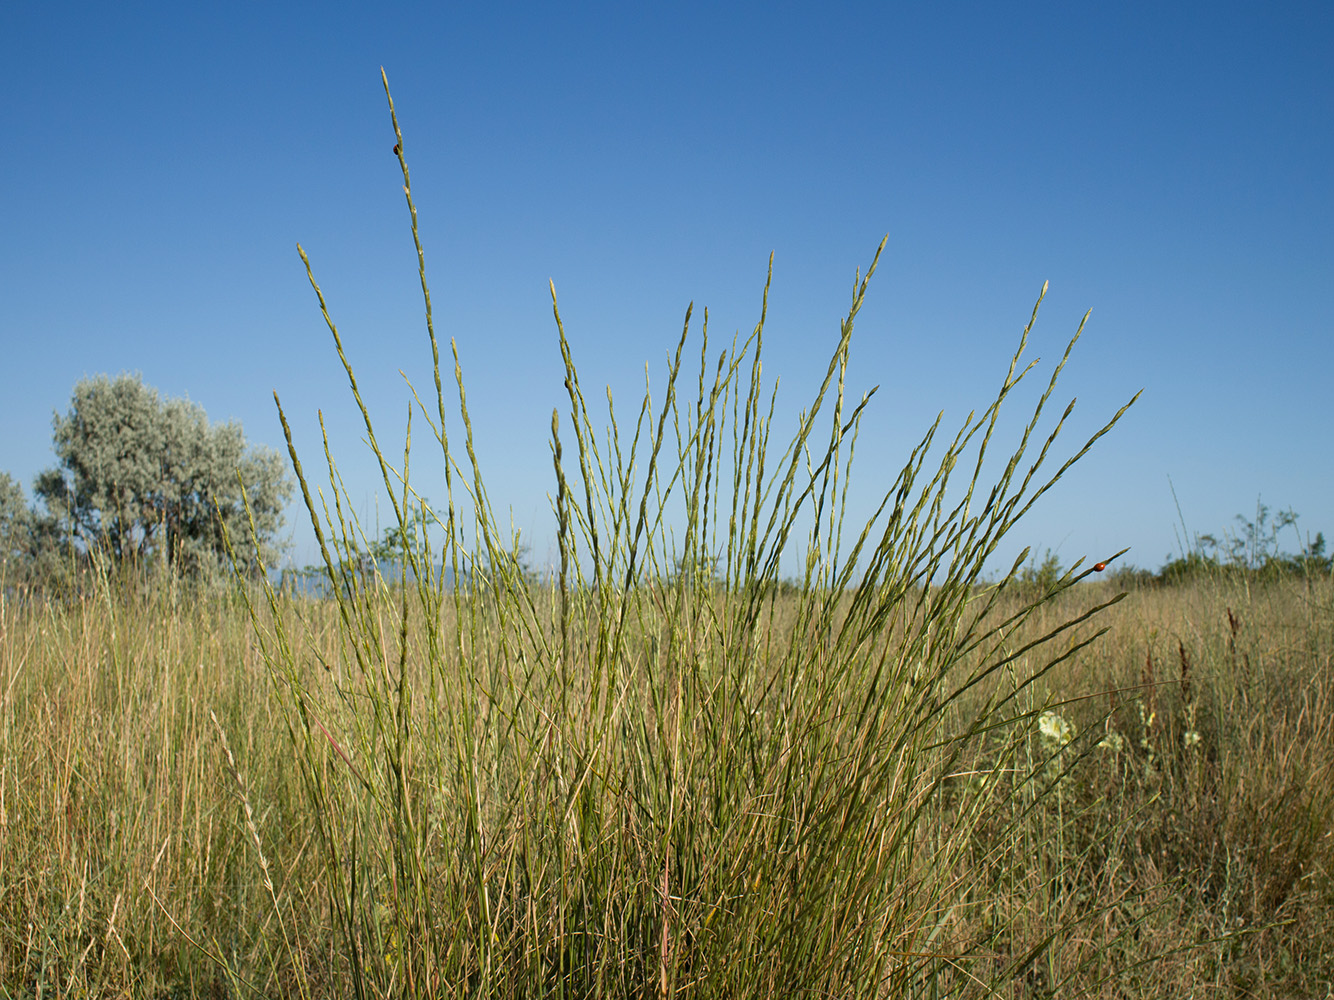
(668, 772)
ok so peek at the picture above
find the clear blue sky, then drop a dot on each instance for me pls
(1169, 166)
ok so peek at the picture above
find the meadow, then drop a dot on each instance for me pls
(670, 766)
(158, 836)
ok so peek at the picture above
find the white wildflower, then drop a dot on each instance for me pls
(1055, 730)
(1113, 741)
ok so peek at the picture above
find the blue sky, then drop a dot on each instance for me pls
(1167, 166)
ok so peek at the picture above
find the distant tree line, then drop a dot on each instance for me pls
(1255, 547)
(1252, 548)
(141, 480)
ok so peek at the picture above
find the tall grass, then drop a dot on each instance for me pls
(666, 770)
(129, 866)
(119, 856)
(654, 777)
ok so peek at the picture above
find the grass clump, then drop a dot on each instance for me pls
(654, 777)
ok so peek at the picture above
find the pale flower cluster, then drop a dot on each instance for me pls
(1113, 741)
(1054, 730)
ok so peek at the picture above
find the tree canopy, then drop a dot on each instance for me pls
(15, 522)
(142, 477)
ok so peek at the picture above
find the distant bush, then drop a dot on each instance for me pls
(1253, 549)
(1131, 577)
(1044, 577)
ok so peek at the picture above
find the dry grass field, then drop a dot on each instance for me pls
(166, 825)
(667, 771)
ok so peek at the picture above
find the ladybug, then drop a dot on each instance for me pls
(396, 149)
(1099, 567)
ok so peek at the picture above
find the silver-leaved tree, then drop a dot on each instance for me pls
(142, 478)
(16, 527)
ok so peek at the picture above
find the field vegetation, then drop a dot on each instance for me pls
(157, 836)
(664, 768)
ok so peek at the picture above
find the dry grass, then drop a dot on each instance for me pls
(129, 847)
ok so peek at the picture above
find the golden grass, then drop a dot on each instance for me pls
(131, 835)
